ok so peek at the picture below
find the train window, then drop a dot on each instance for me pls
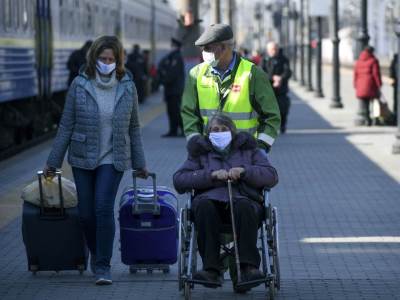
(2, 15)
(62, 19)
(105, 21)
(25, 13)
(7, 15)
(88, 28)
(65, 18)
(15, 15)
(31, 14)
(131, 29)
(71, 23)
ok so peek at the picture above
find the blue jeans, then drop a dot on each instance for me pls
(96, 191)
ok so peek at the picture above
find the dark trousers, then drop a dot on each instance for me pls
(96, 191)
(363, 114)
(395, 101)
(209, 215)
(173, 111)
(141, 89)
(284, 105)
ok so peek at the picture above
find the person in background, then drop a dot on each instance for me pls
(367, 83)
(244, 53)
(100, 128)
(137, 66)
(147, 59)
(76, 60)
(277, 67)
(256, 57)
(393, 78)
(171, 73)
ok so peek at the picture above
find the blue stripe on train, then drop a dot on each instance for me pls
(60, 72)
(18, 77)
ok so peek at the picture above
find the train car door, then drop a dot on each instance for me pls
(44, 51)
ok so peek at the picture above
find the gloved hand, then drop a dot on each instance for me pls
(234, 173)
(220, 175)
(264, 146)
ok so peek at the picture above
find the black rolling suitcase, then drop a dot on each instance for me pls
(52, 236)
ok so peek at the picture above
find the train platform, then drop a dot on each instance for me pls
(338, 201)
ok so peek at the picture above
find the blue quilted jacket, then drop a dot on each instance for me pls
(79, 128)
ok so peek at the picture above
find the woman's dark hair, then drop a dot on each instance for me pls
(221, 119)
(98, 46)
(370, 49)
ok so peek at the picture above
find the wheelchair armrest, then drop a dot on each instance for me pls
(266, 192)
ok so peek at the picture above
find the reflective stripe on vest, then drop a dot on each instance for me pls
(237, 105)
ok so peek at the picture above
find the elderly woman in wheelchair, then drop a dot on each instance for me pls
(226, 155)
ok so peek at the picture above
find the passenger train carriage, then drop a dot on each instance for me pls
(36, 39)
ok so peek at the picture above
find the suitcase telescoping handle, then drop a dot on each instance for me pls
(61, 211)
(141, 206)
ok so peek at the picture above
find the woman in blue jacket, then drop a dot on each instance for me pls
(101, 129)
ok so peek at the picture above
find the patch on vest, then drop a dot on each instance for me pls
(206, 81)
(236, 88)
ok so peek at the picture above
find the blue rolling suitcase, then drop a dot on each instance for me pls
(53, 237)
(148, 227)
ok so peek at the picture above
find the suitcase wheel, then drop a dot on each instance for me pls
(33, 269)
(132, 270)
(166, 270)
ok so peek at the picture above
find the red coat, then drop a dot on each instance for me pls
(367, 76)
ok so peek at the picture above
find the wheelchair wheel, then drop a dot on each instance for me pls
(271, 289)
(187, 292)
(275, 258)
(182, 259)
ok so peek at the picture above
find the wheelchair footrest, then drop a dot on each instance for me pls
(208, 284)
(250, 284)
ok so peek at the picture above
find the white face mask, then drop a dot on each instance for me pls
(209, 57)
(104, 68)
(220, 140)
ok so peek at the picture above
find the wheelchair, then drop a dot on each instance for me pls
(268, 244)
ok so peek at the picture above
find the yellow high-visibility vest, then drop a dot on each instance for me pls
(237, 105)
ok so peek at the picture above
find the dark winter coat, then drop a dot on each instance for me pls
(393, 69)
(76, 60)
(367, 77)
(171, 72)
(136, 64)
(278, 65)
(203, 160)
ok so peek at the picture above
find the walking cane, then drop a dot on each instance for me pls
(237, 261)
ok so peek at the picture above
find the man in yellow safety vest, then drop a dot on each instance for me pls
(228, 83)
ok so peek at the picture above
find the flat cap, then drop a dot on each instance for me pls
(214, 34)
